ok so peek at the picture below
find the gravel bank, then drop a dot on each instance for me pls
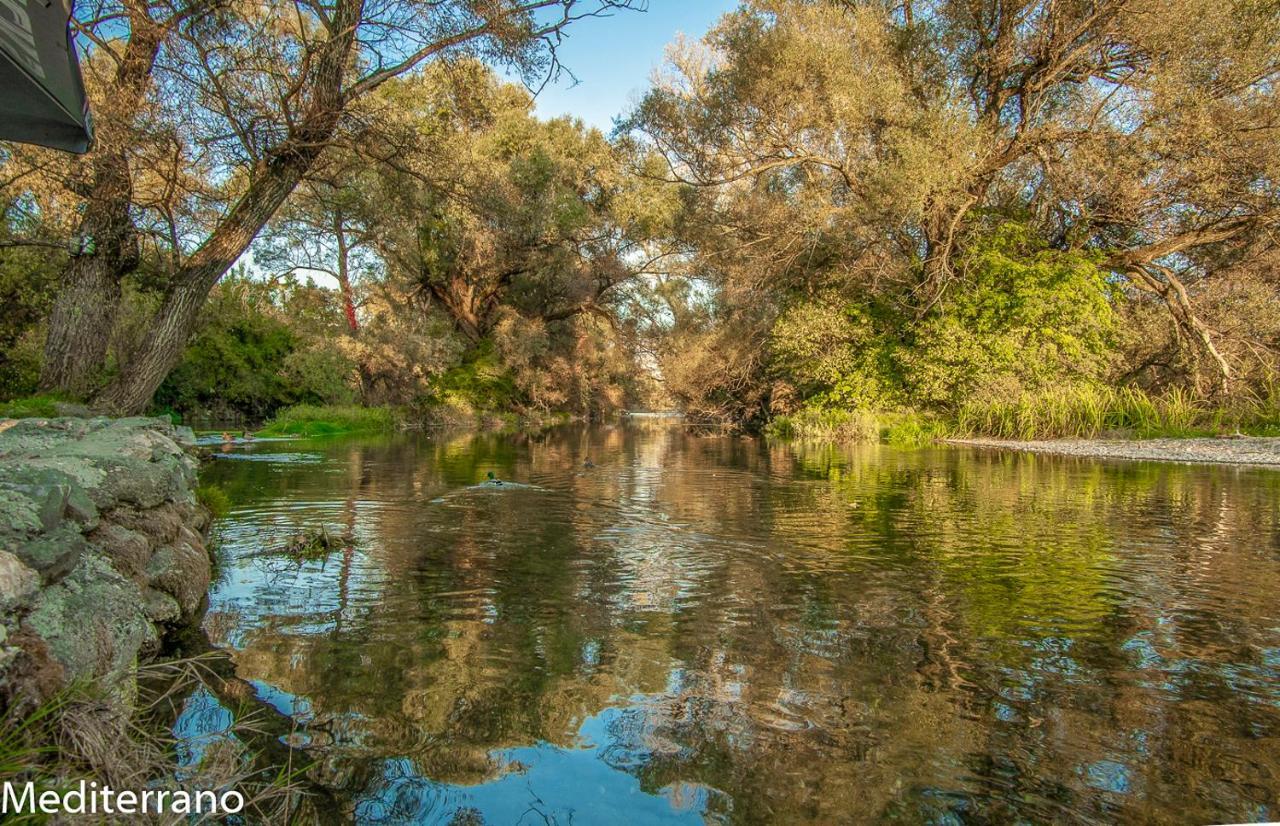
(1243, 450)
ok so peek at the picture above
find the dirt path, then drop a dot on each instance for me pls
(1244, 450)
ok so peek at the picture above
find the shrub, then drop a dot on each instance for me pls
(310, 420)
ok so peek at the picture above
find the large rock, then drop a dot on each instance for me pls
(181, 570)
(101, 552)
(94, 621)
(128, 550)
(18, 583)
(53, 553)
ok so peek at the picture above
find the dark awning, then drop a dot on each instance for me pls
(41, 94)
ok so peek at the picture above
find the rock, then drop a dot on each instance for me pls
(54, 496)
(53, 554)
(181, 571)
(128, 550)
(18, 583)
(19, 516)
(101, 551)
(93, 621)
(159, 524)
(160, 607)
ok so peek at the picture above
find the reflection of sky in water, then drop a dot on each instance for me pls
(538, 784)
(708, 629)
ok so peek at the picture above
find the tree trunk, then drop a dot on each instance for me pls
(85, 311)
(344, 275)
(270, 184)
(162, 348)
(75, 348)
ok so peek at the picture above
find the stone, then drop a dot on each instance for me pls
(52, 554)
(18, 583)
(128, 550)
(160, 607)
(181, 571)
(159, 524)
(51, 494)
(100, 548)
(93, 621)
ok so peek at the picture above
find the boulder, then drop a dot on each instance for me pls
(52, 554)
(18, 583)
(101, 551)
(128, 550)
(93, 621)
(181, 570)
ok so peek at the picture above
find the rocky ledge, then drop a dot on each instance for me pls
(102, 552)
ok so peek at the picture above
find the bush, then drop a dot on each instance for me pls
(309, 420)
(43, 407)
(1023, 318)
(214, 498)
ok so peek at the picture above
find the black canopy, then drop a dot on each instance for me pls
(41, 94)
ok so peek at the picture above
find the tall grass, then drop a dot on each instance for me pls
(312, 420)
(42, 407)
(1070, 411)
(900, 429)
(1090, 411)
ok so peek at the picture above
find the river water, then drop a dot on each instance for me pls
(703, 628)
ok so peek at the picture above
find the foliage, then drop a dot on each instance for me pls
(1093, 211)
(41, 406)
(214, 499)
(1087, 411)
(1021, 318)
(310, 420)
(28, 277)
(260, 347)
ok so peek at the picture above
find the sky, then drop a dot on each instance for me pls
(614, 57)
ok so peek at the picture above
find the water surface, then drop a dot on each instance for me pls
(702, 628)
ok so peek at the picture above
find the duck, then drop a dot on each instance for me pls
(588, 464)
(494, 479)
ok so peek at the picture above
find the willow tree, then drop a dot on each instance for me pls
(256, 94)
(483, 206)
(868, 137)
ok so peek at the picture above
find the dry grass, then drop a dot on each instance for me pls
(80, 735)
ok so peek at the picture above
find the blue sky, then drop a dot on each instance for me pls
(613, 57)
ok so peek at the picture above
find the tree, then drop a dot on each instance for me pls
(262, 91)
(855, 145)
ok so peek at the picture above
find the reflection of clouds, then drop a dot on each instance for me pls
(708, 627)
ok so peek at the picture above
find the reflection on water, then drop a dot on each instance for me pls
(706, 628)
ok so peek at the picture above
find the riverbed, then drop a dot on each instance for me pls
(657, 625)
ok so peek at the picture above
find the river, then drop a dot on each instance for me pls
(657, 625)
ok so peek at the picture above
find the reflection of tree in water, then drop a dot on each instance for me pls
(790, 633)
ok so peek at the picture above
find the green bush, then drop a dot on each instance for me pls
(249, 358)
(481, 383)
(1021, 318)
(310, 420)
(42, 406)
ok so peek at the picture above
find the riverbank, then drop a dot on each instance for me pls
(102, 552)
(1235, 450)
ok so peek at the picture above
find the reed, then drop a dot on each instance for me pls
(1090, 411)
